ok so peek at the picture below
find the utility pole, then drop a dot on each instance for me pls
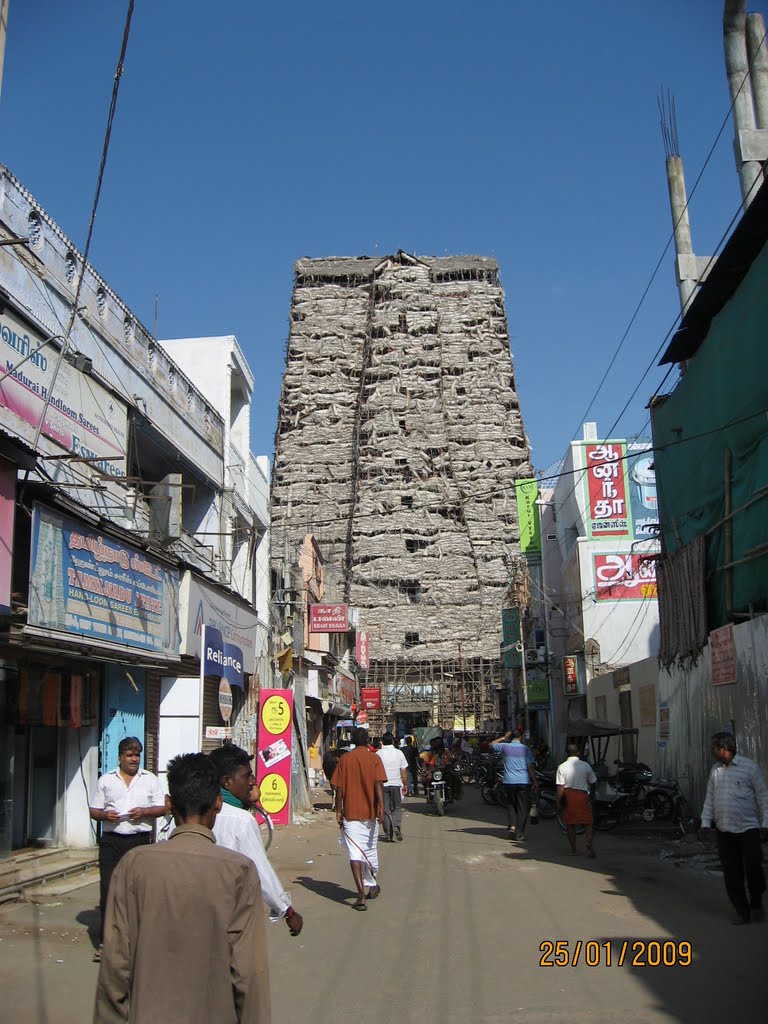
(520, 591)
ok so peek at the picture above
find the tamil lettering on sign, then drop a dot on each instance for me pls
(81, 415)
(607, 512)
(722, 647)
(511, 645)
(370, 697)
(273, 760)
(526, 493)
(625, 576)
(570, 675)
(84, 583)
(362, 650)
(328, 618)
(7, 510)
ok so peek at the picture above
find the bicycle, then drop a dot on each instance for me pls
(266, 828)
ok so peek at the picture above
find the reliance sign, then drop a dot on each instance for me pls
(328, 618)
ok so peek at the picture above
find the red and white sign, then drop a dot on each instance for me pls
(362, 650)
(328, 618)
(606, 489)
(722, 647)
(370, 697)
(570, 675)
(628, 576)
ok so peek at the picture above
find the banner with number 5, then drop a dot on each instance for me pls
(273, 753)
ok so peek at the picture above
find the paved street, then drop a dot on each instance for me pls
(454, 937)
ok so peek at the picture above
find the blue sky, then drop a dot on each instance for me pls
(250, 134)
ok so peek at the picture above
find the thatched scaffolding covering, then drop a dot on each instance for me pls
(399, 441)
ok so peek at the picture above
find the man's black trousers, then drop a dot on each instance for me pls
(112, 848)
(741, 856)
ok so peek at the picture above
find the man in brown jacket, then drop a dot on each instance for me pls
(184, 936)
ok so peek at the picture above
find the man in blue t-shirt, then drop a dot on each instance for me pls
(519, 779)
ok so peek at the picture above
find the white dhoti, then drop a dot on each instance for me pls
(361, 841)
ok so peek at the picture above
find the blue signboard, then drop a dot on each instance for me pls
(222, 659)
(85, 583)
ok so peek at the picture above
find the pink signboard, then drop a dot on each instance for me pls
(608, 515)
(7, 507)
(328, 618)
(273, 754)
(570, 675)
(628, 576)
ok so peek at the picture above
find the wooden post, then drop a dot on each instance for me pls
(728, 526)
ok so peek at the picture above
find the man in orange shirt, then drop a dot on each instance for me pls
(359, 781)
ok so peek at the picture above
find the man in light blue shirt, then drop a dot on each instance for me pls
(736, 805)
(519, 779)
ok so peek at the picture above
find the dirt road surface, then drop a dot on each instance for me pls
(455, 936)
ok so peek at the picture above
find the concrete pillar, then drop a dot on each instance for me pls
(678, 202)
(740, 88)
(3, 32)
(757, 51)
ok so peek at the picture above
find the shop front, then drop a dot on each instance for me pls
(102, 616)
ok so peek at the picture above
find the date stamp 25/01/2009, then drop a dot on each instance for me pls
(619, 952)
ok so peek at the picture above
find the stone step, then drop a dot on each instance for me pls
(26, 868)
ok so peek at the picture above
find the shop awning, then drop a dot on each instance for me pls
(336, 710)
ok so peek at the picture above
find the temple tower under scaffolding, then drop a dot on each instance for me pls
(398, 444)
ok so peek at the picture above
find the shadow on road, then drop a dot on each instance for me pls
(328, 890)
(686, 913)
(92, 921)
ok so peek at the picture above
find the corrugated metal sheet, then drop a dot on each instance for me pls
(698, 709)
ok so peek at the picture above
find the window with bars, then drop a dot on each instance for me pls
(70, 267)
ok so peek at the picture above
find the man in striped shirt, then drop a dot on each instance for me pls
(736, 805)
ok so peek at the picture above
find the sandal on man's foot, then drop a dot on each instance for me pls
(371, 894)
(357, 905)
(96, 958)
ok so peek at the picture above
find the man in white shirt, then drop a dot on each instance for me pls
(126, 801)
(736, 805)
(395, 788)
(573, 779)
(237, 829)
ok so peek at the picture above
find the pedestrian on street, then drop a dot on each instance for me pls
(126, 801)
(519, 780)
(736, 805)
(573, 779)
(184, 938)
(359, 779)
(237, 829)
(395, 788)
(412, 757)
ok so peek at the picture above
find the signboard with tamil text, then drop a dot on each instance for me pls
(328, 618)
(86, 584)
(624, 576)
(722, 647)
(606, 490)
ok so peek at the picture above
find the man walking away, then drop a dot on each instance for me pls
(126, 801)
(395, 788)
(359, 779)
(412, 757)
(573, 779)
(237, 829)
(519, 779)
(184, 937)
(736, 805)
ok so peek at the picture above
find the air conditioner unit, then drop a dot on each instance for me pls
(533, 657)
